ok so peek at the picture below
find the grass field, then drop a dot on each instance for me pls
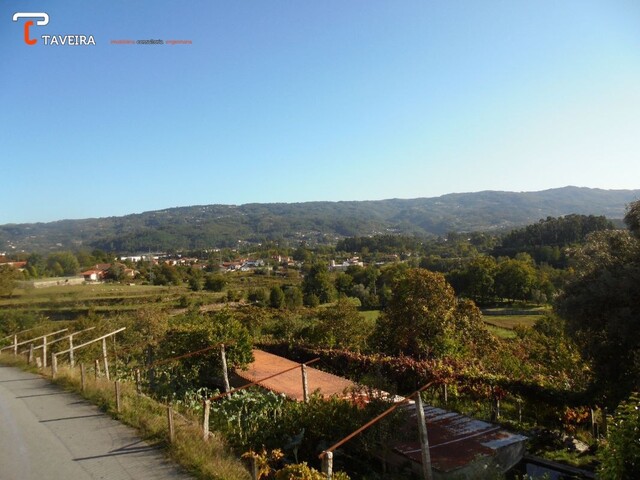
(502, 325)
(511, 321)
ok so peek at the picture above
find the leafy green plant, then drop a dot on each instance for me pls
(620, 453)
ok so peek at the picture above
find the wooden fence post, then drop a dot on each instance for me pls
(593, 422)
(205, 419)
(118, 403)
(115, 356)
(138, 382)
(305, 384)
(44, 351)
(445, 393)
(15, 345)
(225, 374)
(492, 406)
(97, 368)
(54, 365)
(519, 411)
(172, 432)
(71, 359)
(30, 361)
(327, 464)
(424, 440)
(82, 377)
(104, 358)
(38, 362)
(254, 468)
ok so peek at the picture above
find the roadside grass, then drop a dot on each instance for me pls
(210, 460)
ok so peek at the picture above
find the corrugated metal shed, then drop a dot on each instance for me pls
(460, 446)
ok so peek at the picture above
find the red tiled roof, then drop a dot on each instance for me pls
(290, 383)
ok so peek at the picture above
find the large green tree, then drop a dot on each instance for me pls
(515, 279)
(341, 326)
(601, 304)
(318, 283)
(8, 278)
(424, 319)
(476, 281)
(62, 263)
(276, 297)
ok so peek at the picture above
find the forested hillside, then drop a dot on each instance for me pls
(208, 226)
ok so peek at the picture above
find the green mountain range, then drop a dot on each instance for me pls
(209, 226)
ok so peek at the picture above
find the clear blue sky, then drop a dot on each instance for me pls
(289, 101)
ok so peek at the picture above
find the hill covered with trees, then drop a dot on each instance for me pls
(207, 226)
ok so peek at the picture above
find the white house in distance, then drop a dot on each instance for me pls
(351, 262)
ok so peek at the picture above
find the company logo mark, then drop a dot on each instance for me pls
(55, 40)
(44, 20)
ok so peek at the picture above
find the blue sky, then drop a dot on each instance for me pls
(291, 101)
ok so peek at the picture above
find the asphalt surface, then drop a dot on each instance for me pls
(49, 434)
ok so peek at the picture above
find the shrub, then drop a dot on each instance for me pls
(620, 454)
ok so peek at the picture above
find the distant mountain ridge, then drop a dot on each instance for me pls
(208, 226)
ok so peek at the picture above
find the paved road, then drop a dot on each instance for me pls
(46, 433)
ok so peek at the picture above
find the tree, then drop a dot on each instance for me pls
(259, 296)
(276, 297)
(469, 331)
(302, 254)
(36, 265)
(195, 278)
(116, 272)
(545, 239)
(601, 307)
(632, 218)
(423, 318)
(341, 326)
(8, 278)
(318, 282)
(166, 274)
(477, 280)
(214, 283)
(62, 263)
(343, 283)
(293, 297)
(515, 279)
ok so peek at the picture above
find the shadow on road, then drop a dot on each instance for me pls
(127, 449)
(72, 418)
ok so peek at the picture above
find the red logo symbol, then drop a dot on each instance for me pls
(44, 19)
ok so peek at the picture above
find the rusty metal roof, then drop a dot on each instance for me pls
(290, 383)
(456, 441)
